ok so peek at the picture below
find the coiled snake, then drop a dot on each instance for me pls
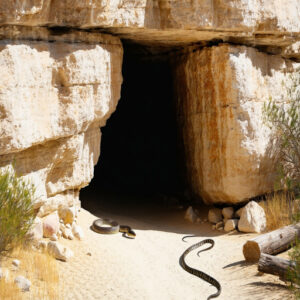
(100, 226)
(196, 272)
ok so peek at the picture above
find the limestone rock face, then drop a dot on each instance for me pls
(54, 97)
(220, 93)
(174, 21)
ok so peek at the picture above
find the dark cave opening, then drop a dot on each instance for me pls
(140, 147)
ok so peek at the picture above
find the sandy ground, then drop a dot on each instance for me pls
(148, 266)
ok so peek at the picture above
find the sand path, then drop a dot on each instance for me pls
(148, 268)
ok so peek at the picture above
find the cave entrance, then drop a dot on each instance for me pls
(140, 149)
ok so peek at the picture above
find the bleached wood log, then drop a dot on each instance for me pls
(271, 243)
(274, 265)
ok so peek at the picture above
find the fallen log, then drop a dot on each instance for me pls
(274, 265)
(271, 243)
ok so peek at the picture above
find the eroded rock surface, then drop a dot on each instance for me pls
(220, 93)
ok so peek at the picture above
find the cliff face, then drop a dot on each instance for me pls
(60, 81)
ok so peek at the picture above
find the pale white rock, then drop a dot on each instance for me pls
(231, 225)
(253, 218)
(77, 231)
(50, 225)
(67, 214)
(229, 157)
(190, 215)
(67, 233)
(169, 22)
(215, 215)
(227, 212)
(42, 245)
(68, 226)
(59, 251)
(16, 263)
(23, 283)
(220, 225)
(54, 237)
(36, 231)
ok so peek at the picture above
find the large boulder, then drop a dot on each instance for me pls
(253, 218)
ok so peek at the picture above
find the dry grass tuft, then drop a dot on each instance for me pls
(40, 268)
(279, 208)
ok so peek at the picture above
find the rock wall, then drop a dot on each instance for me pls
(60, 81)
(220, 94)
(56, 91)
(167, 22)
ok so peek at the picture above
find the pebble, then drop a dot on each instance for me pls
(23, 283)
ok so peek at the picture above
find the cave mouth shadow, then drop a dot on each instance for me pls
(140, 173)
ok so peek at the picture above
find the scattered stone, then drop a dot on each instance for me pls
(215, 215)
(67, 214)
(205, 220)
(67, 233)
(77, 231)
(89, 254)
(238, 213)
(227, 212)
(23, 283)
(253, 218)
(16, 263)
(190, 215)
(219, 225)
(68, 226)
(231, 225)
(198, 220)
(59, 251)
(213, 227)
(220, 228)
(61, 221)
(54, 237)
(50, 225)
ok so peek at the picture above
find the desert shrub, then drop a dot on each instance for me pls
(16, 209)
(279, 208)
(284, 120)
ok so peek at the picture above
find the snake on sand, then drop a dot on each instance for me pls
(196, 272)
(100, 226)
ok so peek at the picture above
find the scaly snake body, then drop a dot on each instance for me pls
(113, 227)
(199, 273)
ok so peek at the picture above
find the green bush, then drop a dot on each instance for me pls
(16, 209)
(284, 120)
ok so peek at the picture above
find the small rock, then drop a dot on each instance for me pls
(77, 231)
(54, 237)
(221, 228)
(50, 225)
(231, 224)
(68, 226)
(198, 220)
(215, 215)
(61, 221)
(23, 283)
(42, 245)
(59, 251)
(67, 214)
(227, 212)
(190, 215)
(238, 213)
(253, 218)
(16, 262)
(89, 254)
(219, 225)
(205, 220)
(213, 227)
